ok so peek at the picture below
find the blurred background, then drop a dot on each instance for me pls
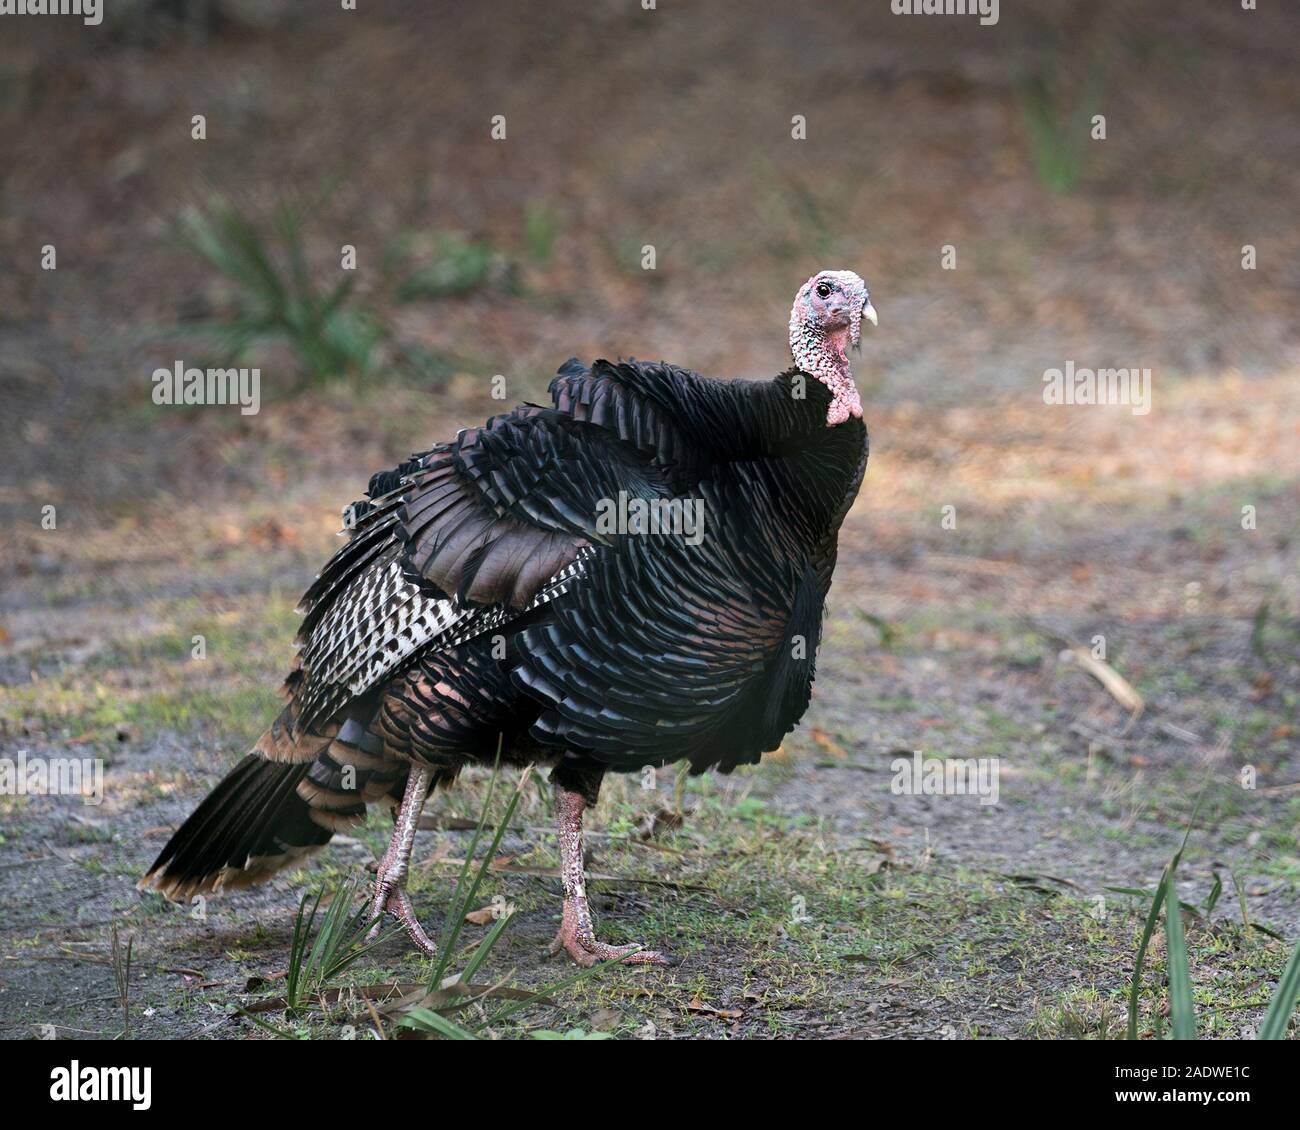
(671, 129)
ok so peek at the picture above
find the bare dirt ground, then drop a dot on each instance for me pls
(805, 897)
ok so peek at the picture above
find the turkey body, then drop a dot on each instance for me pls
(483, 603)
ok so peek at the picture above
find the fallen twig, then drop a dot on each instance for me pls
(1180, 734)
(1119, 688)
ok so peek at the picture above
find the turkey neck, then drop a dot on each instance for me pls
(814, 469)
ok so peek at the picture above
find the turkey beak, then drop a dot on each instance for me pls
(869, 314)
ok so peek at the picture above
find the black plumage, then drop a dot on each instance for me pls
(481, 600)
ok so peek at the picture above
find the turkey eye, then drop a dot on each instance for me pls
(823, 289)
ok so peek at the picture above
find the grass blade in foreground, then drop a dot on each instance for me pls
(431, 1021)
(1153, 916)
(1283, 1004)
(462, 904)
(1181, 1005)
(1163, 888)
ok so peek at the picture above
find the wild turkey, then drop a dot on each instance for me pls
(484, 598)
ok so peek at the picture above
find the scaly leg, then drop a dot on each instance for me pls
(390, 879)
(577, 934)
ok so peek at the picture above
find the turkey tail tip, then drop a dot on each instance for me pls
(175, 889)
(253, 824)
(257, 869)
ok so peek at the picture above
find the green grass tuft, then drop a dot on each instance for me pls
(278, 299)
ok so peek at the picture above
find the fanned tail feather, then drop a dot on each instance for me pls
(249, 827)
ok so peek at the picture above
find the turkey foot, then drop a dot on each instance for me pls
(390, 879)
(578, 937)
(577, 934)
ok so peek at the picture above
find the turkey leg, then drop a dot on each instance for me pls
(390, 879)
(577, 934)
